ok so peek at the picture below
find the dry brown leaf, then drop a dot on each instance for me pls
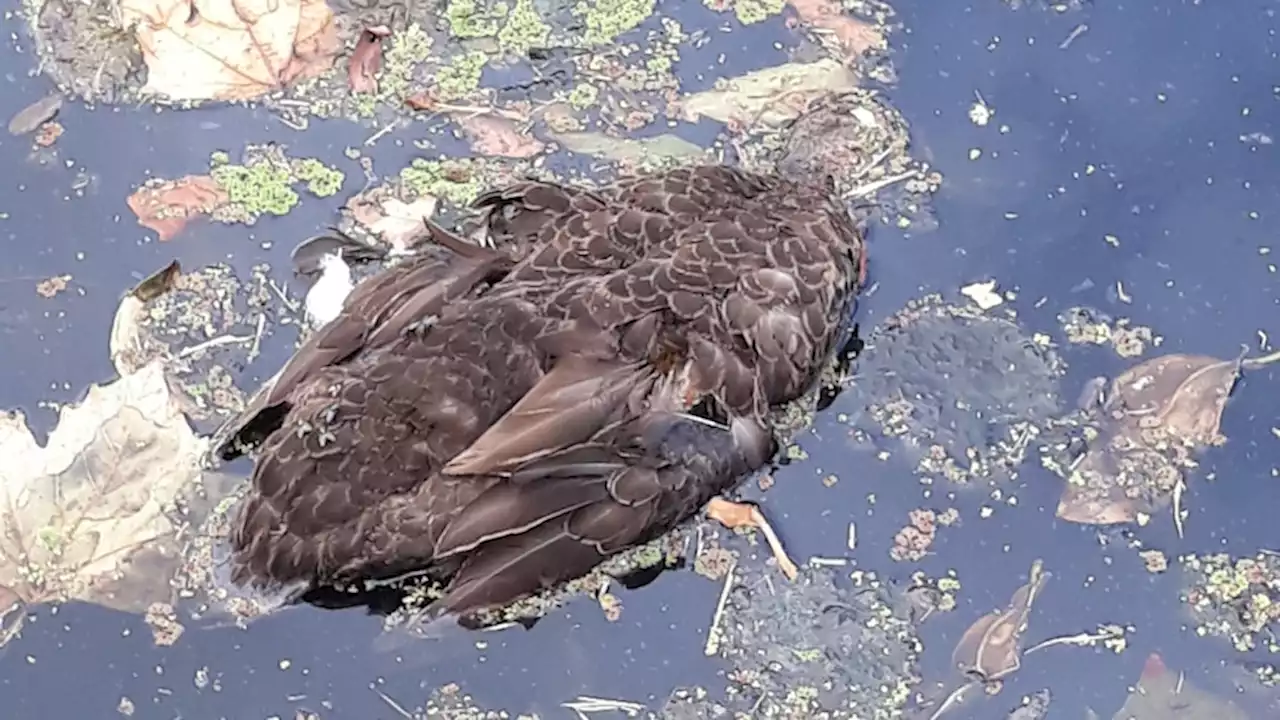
(129, 350)
(1155, 415)
(366, 61)
(49, 133)
(771, 96)
(90, 516)
(230, 49)
(855, 37)
(167, 206)
(498, 137)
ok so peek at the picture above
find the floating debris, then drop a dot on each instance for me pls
(1237, 599)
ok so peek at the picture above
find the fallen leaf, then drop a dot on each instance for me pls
(1162, 694)
(366, 61)
(167, 206)
(52, 286)
(1154, 417)
(629, 149)
(400, 223)
(91, 515)
(36, 114)
(498, 137)
(771, 96)
(855, 37)
(991, 647)
(230, 49)
(13, 614)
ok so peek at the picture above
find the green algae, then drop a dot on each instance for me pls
(607, 19)
(461, 77)
(467, 20)
(438, 179)
(750, 12)
(583, 96)
(524, 29)
(407, 49)
(263, 184)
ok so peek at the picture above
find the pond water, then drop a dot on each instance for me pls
(1151, 126)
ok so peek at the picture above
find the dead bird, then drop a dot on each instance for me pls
(503, 418)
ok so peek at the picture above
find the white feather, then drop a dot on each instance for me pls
(325, 298)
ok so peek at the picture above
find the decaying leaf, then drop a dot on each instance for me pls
(629, 149)
(230, 49)
(94, 514)
(770, 96)
(497, 136)
(828, 18)
(1154, 418)
(366, 60)
(991, 648)
(1162, 693)
(34, 115)
(13, 614)
(166, 206)
(50, 287)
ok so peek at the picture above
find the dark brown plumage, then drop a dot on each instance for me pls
(506, 420)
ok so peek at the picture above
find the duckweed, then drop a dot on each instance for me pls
(524, 29)
(434, 177)
(607, 19)
(462, 77)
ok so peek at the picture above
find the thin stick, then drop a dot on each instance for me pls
(713, 634)
(873, 187)
(215, 342)
(785, 564)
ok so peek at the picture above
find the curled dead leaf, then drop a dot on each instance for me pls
(129, 351)
(166, 206)
(497, 136)
(90, 515)
(397, 223)
(366, 61)
(230, 49)
(1163, 693)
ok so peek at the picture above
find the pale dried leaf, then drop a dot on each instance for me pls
(629, 149)
(771, 96)
(1184, 394)
(167, 206)
(90, 516)
(230, 49)
(401, 222)
(498, 137)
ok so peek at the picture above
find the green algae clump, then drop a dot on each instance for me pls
(583, 96)
(524, 29)
(750, 12)
(257, 188)
(321, 180)
(607, 19)
(461, 77)
(439, 179)
(467, 20)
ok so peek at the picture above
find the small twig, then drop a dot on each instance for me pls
(713, 634)
(587, 704)
(215, 342)
(394, 705)
(257, 337)
(284, 297)
(871, 165)
(1071, 37)
(378, 135)
(1178, 489)
(873, 187)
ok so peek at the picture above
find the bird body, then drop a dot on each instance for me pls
(504, 419)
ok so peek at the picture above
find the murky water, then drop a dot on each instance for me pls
(1144, 127)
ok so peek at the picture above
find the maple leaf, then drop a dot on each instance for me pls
(230, 49)
(91, 515)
